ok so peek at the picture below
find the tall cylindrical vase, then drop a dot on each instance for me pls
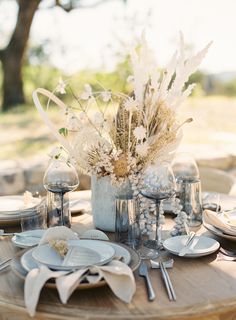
(104, 196)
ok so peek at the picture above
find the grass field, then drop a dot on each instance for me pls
(24, 134)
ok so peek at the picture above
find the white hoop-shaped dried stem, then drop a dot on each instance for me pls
(46, 119)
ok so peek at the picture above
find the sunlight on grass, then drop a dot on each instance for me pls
(24, 134)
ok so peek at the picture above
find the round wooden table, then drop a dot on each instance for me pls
(205, 289)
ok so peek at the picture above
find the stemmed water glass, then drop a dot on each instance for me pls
(158, 183)
(61, 177)
(184, 166)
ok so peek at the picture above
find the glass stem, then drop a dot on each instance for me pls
(62, 208)
(158, 204)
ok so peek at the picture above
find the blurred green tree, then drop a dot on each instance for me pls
(13, 54)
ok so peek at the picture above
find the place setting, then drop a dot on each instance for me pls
(72, 264)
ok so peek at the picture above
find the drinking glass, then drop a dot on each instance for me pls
(211, 201)
(184, 166)
(127, 222)
(191, 201)
(33, 218)
(188, 188)
(61, 177)
(158, 183)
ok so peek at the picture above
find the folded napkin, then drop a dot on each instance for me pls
(221, 221)
(55, 233)
(117, 274)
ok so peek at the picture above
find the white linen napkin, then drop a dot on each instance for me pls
(34, 283)
(220, 221)
(58, 233)
(117, 274)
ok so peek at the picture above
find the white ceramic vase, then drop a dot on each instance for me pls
(104, 195)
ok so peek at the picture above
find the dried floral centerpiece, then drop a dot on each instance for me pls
(114, 136)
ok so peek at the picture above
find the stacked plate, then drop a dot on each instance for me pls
(81, 253)
(87, 252)
(221, 224)
(13, 207)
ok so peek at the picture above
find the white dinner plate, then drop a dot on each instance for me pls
(204, 246)
(17, 215)
(229, 217)
(89, 253)
(28, 239)
(29, 263)
(80, 205)
(13, 204)
(218, 232)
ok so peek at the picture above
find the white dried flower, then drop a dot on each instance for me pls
(140, 133)
(87, 93)
(60, 88)
(82, 117)
(106, 96)
(142, 149)
(130, 79)
(73, 123)
(55, 152)
(131, 105)
(98, 119)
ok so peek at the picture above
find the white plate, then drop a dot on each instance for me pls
(17, 215)
(218, 232)
(28, 239)
(98, 253)
(13, 204)
(204, 246)
(229, 217)
(80, 205)
(28, 262)
(121, 252)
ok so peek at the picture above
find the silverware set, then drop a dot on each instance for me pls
(223, 254)
(162, 265)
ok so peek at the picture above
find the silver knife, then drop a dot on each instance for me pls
(190, 246)
(143, 272)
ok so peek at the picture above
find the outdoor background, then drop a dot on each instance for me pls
(88, 41)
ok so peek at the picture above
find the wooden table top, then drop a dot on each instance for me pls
(205, 289)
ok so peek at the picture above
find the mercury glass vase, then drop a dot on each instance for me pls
(104, 195)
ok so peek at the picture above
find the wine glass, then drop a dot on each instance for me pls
(185, 167)
(158, 183)
(61, 177)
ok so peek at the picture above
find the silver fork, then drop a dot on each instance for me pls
(143, 272)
